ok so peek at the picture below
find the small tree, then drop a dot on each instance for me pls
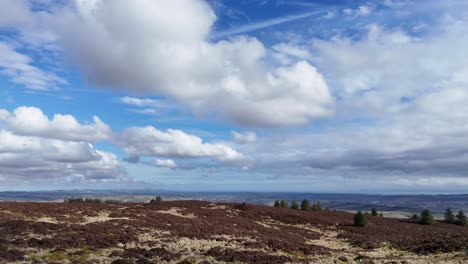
(277, 203)
(374, 212)
(305, 205)
(461, 219)
(415, 217)
(316, 206)
(426, 218)
(449, 217)
(294, 205)
(158, 199)
(284, 204)
(381, 214)
(361, 219)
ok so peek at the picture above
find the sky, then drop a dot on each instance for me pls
(235, 95)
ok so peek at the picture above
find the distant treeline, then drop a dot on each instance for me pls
(305, 205)
(92, 200)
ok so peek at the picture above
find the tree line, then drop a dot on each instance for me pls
(91, 200)
(426, 217)
(305, 205)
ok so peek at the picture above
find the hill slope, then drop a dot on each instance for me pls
(203, 232)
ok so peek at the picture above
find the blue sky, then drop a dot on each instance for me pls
(267, 95)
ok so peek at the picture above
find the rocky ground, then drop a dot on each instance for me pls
(203, 232)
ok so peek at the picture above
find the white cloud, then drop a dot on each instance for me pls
(244, 138)
(143, 102)
(362, 10)
(19, 68)
(156, 52)
(30, 158)
(31, 121)
(147, 106)
(32, 147)
(165, 163)
(151, 142)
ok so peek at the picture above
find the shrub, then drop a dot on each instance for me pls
(449, 217)
(305, 205)
(374, 212)
(294, 205)
(316, 206)
(426, 218)
(461, 219)
(361, 219)
(277, 203)
(284, 204)
(156, 200)
(415, 217)
(381, 214)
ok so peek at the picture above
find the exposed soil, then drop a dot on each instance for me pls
(203, 232)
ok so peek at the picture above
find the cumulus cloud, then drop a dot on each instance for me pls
(151, 142)
(30, 158)
(156, 52)
(32, 147)
(244, 138)
(31, 121)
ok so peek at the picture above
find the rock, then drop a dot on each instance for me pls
(344, 259)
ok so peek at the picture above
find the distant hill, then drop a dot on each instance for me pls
(348, 202)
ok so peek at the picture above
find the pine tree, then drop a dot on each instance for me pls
(461, 219)
(316, 206)
(361, 219)
(449, 217)
(426, 218)
(374, 212)
(284, 204)
(277, 203)
(305, 205)
(294, 205)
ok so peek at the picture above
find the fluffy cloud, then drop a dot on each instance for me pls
(31, 158)
(32, 147)
(31, 121)
(376, 72)
(156, 52)
(151, 142)
(244, 138)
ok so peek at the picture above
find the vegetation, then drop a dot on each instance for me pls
(158, 199)
(284, 204)
(91, 200)
(426, 218)
(381, 214)
(415, 217)
(316, 206)
(305, 205)
(361, 219)
(277, 204)
(461, 219)
(294, 205)
(449, 217)
(374, 212)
